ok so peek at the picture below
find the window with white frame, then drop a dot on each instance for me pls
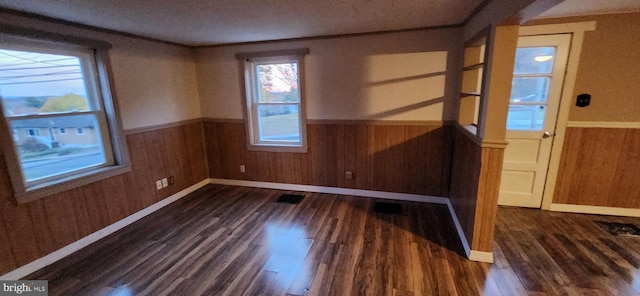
(48, 86)
(275, 101)
(63, 131)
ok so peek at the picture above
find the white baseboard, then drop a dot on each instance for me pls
(479, 256)
(334, 190)
(461, 235)
(91, 238)
(627, 212)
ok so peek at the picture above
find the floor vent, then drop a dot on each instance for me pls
(387, 208)
(616, 228)
(292, 199)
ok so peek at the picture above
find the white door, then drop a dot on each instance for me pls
(536, 88)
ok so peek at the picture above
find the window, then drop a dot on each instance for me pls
(532, 75)
(33, 132)
(63, 131)
(275, 102)
(46, 86)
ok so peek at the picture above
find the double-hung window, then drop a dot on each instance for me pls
(275, 101)
(45, 88)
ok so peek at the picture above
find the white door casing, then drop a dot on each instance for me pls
(533, 112)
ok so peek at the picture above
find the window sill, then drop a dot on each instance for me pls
(273, 148)
(65, 184)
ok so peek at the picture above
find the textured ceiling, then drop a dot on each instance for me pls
(587, 7)
(207, 22)
(210, 22)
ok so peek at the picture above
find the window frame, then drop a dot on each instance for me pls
(251, 99)
(112, 134)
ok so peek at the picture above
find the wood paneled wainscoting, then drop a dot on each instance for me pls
(33, 230)
(403, 157)
(599, 171)
(475, 181)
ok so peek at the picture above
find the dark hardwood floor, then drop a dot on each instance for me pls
(225, 240)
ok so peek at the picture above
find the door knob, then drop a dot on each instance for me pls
(546, 135)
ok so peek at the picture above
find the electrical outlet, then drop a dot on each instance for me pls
(243, 169)
(158, 184)
(165, 182)
(348, 175)
(171, 180)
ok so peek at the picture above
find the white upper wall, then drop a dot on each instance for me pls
(155, 83)
(394, 76)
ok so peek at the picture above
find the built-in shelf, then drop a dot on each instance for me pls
(473, 67)
(470, 102)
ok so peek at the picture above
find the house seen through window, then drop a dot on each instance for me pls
(44, 92)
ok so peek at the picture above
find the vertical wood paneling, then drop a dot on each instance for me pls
(599, 167)
(115, 198)
(46, 242)
(35, 229)
(465, 176)
(361, 157)
(475, 182)
(64, 226)
(141, 162)
(487, 202)
(397, 158)
(6, 253)
(80, 211)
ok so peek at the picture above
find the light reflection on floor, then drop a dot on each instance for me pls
(288, 246)
(636, 281)
(123, 290)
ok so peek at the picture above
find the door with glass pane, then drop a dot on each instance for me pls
(533, 109)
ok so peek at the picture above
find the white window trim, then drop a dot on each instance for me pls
(116, 152)
(62, 130)
(80, 131)
(251, 99)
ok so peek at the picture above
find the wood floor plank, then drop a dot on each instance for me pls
(225, 240)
